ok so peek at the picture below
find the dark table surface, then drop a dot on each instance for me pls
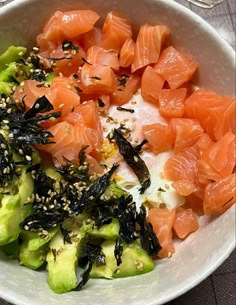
(220, 287)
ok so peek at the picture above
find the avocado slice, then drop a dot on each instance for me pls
(34, 248)
(62, 258)
(135, 261)
(6, 88)
(108, 231)
(15, 206)
(32, 259)
(12, 54)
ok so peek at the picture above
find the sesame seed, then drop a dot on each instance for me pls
(135, 159)
(28, 158)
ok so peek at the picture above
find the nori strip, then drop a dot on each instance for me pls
(125, 109)
(68, 45)
(148, 238)
(118, 251)
(132, 158)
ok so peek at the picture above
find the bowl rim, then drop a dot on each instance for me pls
(231, 244)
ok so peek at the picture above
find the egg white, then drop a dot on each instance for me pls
(160, 190)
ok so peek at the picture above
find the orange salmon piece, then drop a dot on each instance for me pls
(182, 166)
(160, 137)
(195, 203)
(184, 187)
(148, 45)
(61, 95)
(68, 25)
(127, 53)
(100, 56)
(218, 161)
(171, 102)
(185, 223)
(151, 85)
(71, 62)
(127, 85)
(97, 79)
(182, 170)
(162, 221)
(176, 67)
(216, 114)
(80, 127)
(220, 195)
(30, 92)
(68, 139)
(186, 132)
(115, 31)
(203, 143)
(91, 38)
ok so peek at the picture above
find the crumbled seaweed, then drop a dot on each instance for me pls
(85, 275)
(122, 82)
(35, 60)
(132, 158)
(100, 103)
(148, 238)
(41, 105)
(95, 77)
(85, 61)
(139, 147)
(74, 173)
(126, 212)
(94, 191)
(75, 76)
(43, 183)
(39, 221)
(118, 251)
(91, 253)
(125, 109)
(82, 154)
(60, 58)
(66, 235)
(25, 128)
(7, 166)
(160, 189)
(78, 89)
(68, 45)
(39, 76)
(54, 253)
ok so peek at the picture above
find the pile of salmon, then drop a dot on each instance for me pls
(96, 67)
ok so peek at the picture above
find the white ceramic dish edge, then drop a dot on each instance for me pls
(230, 244)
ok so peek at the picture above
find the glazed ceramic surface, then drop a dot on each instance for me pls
(204, 250)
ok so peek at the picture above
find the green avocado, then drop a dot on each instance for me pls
(6, 88)
(62, 259)
(135, 261)
(32, 259)
(15, 206)
(12, 54)
(108, 231)
(34, 248)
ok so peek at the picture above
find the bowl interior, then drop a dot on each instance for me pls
(205, 250)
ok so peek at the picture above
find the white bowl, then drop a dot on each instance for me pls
(203, 251)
